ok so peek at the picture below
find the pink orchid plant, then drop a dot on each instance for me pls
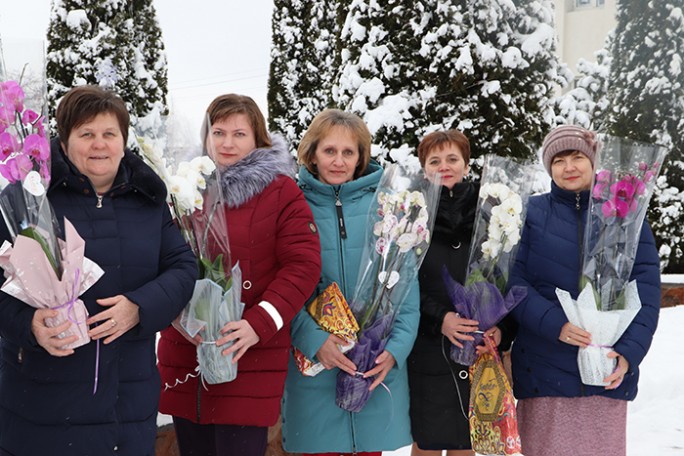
(24, 148)
(623, 186)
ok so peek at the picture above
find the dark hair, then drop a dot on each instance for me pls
(83, 103)
(225, 106)
(438, 140)
(321, 125)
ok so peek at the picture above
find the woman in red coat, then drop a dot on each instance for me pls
(273, 236)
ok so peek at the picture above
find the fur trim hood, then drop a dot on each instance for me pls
(252, 174)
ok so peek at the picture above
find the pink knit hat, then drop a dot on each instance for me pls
(568, 138)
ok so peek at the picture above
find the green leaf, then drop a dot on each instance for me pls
(475, 276)
(214, 271)
(32, 233)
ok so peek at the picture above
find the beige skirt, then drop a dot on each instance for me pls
(577, 426)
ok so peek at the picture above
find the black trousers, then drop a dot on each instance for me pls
(219, 439)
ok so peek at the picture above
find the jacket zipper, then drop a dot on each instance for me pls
(343, 235)
(353, 434)
(340, 216)
(580, 237)
(99, 201)
(199, 398)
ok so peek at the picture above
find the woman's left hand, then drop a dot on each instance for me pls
(614, 380)
(493, 332)
(242, 333)
(384, 363)
(121, 316)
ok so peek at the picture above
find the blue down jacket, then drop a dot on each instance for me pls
(47, 404)
(312, 422)
(549, 257)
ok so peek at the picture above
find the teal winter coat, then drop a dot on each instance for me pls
(312, 422)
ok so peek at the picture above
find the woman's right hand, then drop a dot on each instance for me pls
(47, 337)
(456, 328)
(178, 327)
(574, 335)
(331, 356)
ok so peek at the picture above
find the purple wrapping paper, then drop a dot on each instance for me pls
(481, 301)
(352, 391)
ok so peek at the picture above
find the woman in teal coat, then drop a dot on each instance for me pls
(339, 180)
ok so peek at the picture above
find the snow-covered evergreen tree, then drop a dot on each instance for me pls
(379, 75)
(302, 66)
(486, 67)
(585, 105)
(114, 43)
(512, 45)
(646, 94)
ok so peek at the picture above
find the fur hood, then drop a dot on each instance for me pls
(251, 175)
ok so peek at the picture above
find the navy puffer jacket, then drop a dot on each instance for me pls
(47, 404)
(549, 257)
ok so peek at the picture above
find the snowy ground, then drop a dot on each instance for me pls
(655, 422)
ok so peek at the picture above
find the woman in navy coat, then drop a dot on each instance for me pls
(48, 400)
(559, 415)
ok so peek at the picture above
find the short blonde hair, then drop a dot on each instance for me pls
(321, 125)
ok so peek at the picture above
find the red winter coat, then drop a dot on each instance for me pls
(273, 236)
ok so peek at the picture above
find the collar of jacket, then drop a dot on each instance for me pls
(456, 210)
(133, 174)
(253, 173)
(569, 198)
(368, 182)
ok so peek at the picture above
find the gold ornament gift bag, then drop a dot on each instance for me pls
(493, 419)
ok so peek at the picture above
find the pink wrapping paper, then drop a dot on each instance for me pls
(31, 279)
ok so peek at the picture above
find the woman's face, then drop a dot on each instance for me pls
(96, 148)
(447, 161)
(572, 171)
(232, 139)
(337, 156)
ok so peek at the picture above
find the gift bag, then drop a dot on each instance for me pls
(331, 312)
(492, 415)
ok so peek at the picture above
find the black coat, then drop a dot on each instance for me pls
(47, 405)
(439, 387)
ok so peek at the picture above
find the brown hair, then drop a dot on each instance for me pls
(438, 140)
(82, 104)
(224, 106)
(321, 125)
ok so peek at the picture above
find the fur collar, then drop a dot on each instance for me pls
(251, 175)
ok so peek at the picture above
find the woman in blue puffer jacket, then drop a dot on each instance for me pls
(559, 415)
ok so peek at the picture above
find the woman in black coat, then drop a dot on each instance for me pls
(439, 387)
(100, 398)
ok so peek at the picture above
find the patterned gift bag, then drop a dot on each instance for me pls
(493, 419)
(331, 311)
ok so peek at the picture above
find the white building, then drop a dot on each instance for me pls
(582, 27)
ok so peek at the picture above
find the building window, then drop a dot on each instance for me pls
(580, 3)
(600, 2)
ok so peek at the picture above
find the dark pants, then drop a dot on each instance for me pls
(219, 439)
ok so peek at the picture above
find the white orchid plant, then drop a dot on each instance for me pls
(400, 237)
(195, 205)
(499, 220)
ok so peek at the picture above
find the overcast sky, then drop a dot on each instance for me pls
(212, 46)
